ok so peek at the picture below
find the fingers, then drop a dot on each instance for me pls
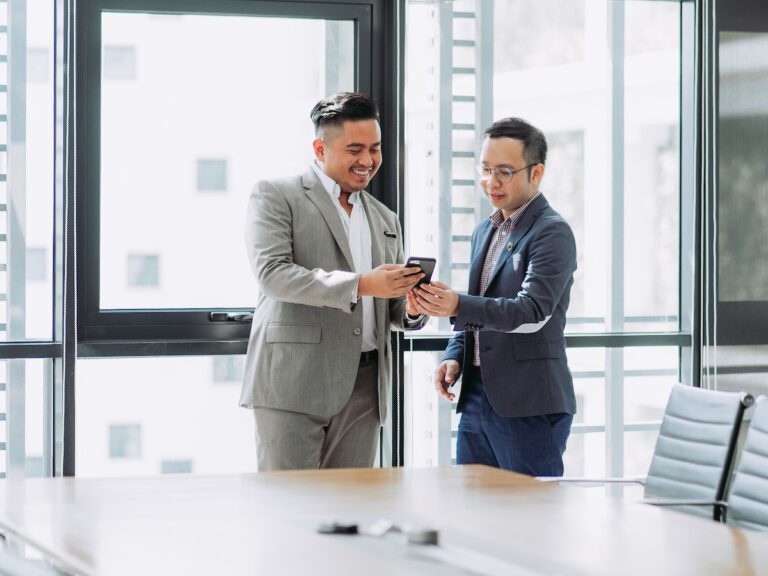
(441, 387)
(452, 373)
(432, 302)
(434, 290)
(405, 277)
(413, 307)
(445, 376)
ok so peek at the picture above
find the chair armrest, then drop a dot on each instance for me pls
(719, 507)
(573, 480)
(681, 502)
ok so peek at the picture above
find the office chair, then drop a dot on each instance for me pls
(747, 504)
(693, 458)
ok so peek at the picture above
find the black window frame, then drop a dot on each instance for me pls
(180, 331)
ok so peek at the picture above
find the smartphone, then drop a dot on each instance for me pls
(427, 266)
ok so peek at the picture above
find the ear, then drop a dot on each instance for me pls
(537, 173)
(318, 144)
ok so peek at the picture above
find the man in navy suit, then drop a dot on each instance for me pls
(517, 400)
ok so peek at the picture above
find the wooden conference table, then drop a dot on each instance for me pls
(489, 522)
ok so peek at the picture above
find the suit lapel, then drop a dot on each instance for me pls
(319, 196)
(521, 229)
(484, 236)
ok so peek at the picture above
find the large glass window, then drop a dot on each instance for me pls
(207, 127)
(160, 415)
(25, 417)
(27, 161)
(189, 104)
(30, 152)
(649, 374)
(602, 80)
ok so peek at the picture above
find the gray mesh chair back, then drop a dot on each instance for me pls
(748, 501)
(695, 447)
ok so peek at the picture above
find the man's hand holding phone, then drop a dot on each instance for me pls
(425, 264)
(436, 299)
(389, 281)
(427, 267)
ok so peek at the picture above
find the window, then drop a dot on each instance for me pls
(119, 62)
(212, 175)
(38, 65)
(222, 134)
(162, 409)
(125, 441)
(34, 467)
(611, 114)
(176, 467)
(228, 368)
(30, 179)
(649, 374)
(37, 264)
(143, 270)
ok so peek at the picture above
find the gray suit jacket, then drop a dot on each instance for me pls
(522, 316)
(306, 337)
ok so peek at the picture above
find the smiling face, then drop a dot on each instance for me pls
(350, 154)
(508, 153)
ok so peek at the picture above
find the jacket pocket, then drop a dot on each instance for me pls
(539, 349)
(293, 332)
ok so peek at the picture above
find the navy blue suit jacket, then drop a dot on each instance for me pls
(521, 318)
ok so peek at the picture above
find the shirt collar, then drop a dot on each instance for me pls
(331, 186)
(497, 218)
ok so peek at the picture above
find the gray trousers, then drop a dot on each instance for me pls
(291, 440)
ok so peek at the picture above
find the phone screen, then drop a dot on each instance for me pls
(427, 266)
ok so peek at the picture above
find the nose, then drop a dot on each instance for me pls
(366, 159)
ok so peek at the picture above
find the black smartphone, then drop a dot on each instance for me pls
(427, 266)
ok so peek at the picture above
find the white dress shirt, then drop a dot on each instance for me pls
(359, 236)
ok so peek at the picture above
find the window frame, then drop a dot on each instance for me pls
(144, 332)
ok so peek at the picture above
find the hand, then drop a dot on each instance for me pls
(388, 281)
(437, 299)
(412, 306)
(445, 377)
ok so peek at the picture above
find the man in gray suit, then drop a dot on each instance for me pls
(325, 253)
(517, 398)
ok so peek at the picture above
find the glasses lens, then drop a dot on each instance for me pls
(504, 174)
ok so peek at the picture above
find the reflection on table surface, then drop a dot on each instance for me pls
(488, 522)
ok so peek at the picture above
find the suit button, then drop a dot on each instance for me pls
(357, 331)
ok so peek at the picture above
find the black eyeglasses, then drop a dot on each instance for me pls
(503, 174)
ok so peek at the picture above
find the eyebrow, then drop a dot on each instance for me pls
(361, 145)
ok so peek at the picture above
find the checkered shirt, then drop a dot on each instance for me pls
(503, 230)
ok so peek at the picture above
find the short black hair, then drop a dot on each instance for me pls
(534, 142)
(338, 108)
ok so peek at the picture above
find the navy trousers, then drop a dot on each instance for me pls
(532, 445)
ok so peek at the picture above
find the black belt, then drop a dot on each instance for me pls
(370, 356)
